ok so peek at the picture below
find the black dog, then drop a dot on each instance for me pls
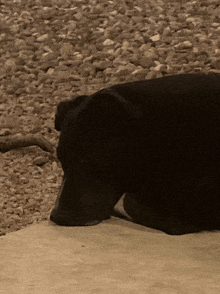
(158, 140)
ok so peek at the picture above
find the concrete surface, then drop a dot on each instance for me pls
(114, 257)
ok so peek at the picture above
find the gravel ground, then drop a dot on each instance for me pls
(53, 49)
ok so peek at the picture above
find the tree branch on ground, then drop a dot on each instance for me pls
(17, 141)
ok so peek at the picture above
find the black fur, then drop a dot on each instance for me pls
(158, 140)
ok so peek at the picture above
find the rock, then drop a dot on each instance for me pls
(108, 42)
(40, 160)
(42, 38)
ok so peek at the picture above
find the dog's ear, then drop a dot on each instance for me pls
(108, 112)
(64, 107)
